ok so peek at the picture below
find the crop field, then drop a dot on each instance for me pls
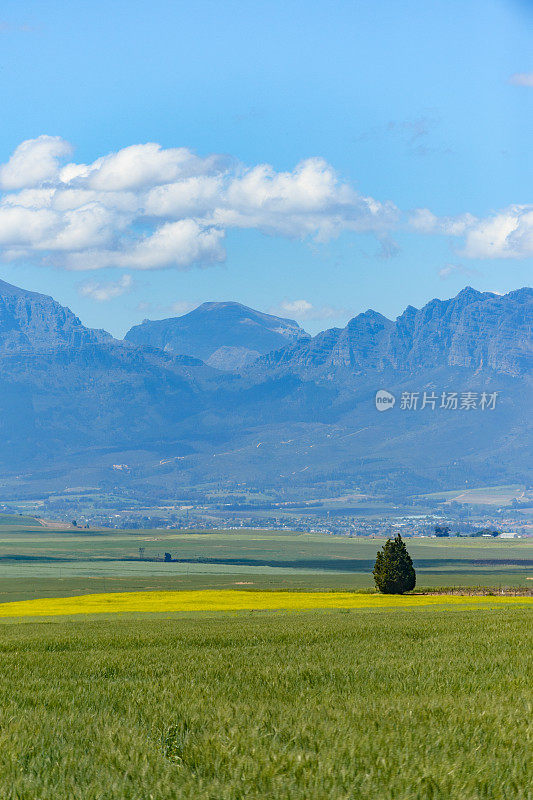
(210, 678)
(43, 562)
(403, 705)
(486, 495)
(233, 600)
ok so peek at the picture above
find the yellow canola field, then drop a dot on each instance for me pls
(233, 600)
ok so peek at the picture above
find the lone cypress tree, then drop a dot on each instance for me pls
(393, 571)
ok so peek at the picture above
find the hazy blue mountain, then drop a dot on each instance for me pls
(66, 389)
(227, 336)
(35, 322)
(475, 330)
(73, 402)
(81, 400)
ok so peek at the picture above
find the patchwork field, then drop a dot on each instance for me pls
(204, 678)
(403, 705)
(39, 562)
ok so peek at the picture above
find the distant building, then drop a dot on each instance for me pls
(509, 535)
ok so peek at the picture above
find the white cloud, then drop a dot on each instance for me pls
(174, 244)
(522, 79)
(102, 291)
(34, 162)
(197, 195)
(299, 308)
(309, 201)
(146, 207)
(425, 221)
(141, 166)
(26, 227)
(303, 309)
(505, 234)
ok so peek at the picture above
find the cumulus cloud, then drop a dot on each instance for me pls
(522, 79)
(505, 234)
(309, 201)
(303, 309)
(147, 207)
(34, 162)
(102, 291)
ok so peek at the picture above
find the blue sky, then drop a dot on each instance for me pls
(392, 107)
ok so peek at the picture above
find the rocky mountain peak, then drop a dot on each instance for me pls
(32, 322)
(226, 335)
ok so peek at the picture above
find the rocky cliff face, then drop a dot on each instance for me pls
(227, 336)
(35, 322)
(475, 330)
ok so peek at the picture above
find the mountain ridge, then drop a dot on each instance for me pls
(75, 401)
(226, 335)
(473, 329)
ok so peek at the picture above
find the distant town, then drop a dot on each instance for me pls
(351, 514)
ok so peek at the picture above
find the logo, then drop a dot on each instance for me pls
(438, 400)
(384, 400)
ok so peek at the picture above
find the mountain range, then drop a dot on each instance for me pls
(226, 395)
(474, 330)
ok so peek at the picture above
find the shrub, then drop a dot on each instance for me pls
(393, 571)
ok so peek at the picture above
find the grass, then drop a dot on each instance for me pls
(45, 562)
(373, 705)
(234, 600)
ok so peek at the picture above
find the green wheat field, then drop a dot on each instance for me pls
(407, 705)
(115, 688)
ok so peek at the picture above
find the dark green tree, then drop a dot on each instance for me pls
(393, 571)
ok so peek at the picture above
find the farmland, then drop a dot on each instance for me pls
(367, 704)
(234, 600)
(48, 562)
(216, 679)
(487, 495)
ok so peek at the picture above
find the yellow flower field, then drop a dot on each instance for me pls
(233, 600)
